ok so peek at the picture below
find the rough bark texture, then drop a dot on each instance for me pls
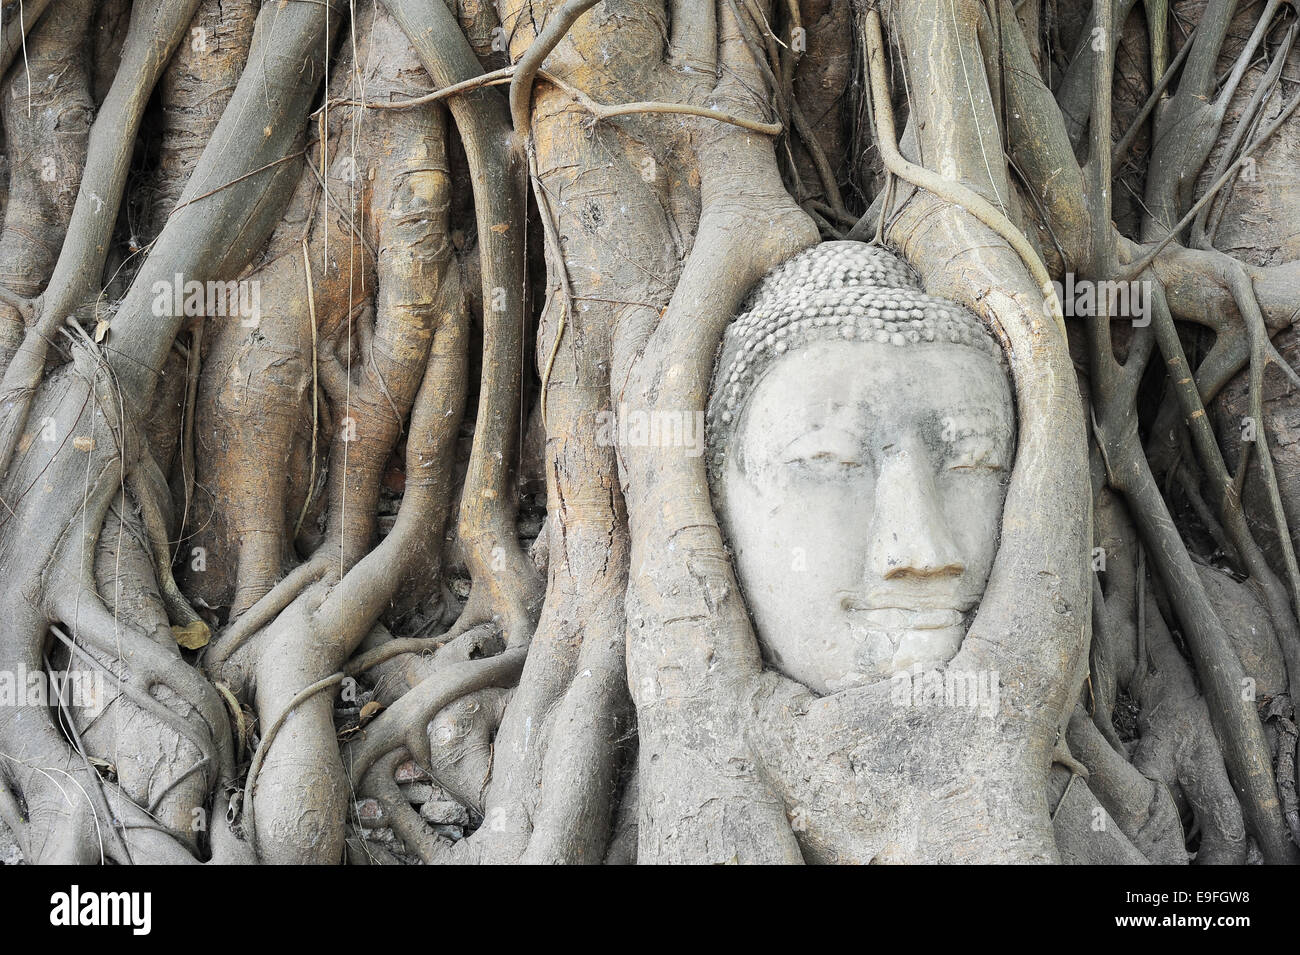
(317, 325)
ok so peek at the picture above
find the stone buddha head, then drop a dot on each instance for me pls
(860, 441)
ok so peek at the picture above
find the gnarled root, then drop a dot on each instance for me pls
(48, 546)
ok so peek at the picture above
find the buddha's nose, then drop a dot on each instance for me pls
(909, 535)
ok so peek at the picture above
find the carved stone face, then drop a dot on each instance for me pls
(862, 493)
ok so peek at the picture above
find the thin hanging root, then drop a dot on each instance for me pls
(555, 251)
(1202, 235)
(1244, 294)
(946, 189)
(193, 360)
(1135, 127)
(598, 111)
(315, 386)
(19, 18)
(521, 86)
(499, 77)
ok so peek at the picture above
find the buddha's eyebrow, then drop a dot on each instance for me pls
(807, 418)
(830, 431)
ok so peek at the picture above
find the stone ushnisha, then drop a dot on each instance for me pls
(848, 290)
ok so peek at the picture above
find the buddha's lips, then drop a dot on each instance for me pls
(906, 618)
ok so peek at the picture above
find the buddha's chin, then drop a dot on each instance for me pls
(926, 648)
(879, 654)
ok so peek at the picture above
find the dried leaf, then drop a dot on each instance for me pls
(192, 635)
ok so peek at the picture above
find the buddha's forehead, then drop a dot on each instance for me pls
(872, 388)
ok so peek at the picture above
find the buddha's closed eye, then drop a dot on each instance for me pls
(828, 451)
(975, 453)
